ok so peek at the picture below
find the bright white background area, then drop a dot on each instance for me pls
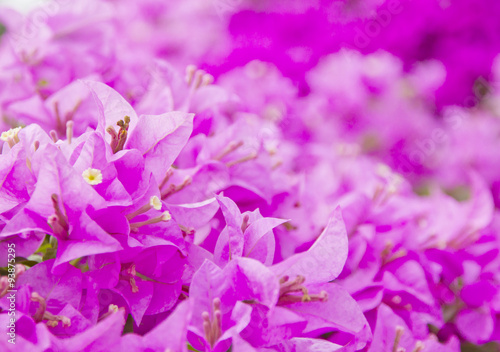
(20, 5)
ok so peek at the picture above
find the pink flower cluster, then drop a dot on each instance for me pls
(250, 176)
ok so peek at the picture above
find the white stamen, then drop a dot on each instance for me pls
(164, 217)
(207, 79)
(69, 131)
(10, 136)
(383, 170)
(54, 136)
(155, 202)
(419, 346)
(190, 70)
(396, 299)
(399, 333)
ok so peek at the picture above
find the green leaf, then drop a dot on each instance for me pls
(48, 248)
(460, 193)
(489, 347)
(129, 325)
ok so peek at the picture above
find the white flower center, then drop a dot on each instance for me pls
(92, 176)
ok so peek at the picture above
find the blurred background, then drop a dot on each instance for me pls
(340, 87)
